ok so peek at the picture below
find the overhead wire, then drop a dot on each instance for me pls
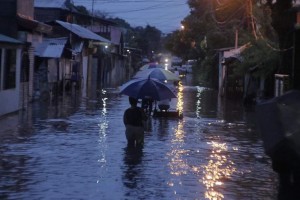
(159, 7)
(125, 1)
(85, 2)
(224, 22)
(267, 41)
(154, 7)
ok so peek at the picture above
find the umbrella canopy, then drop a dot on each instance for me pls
(158, 73)
(151, 66)
(279, 122)
(147, 87)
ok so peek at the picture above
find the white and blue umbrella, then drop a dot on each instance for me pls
(157, 73)
(151, 66)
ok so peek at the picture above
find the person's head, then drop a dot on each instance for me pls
(132, 101)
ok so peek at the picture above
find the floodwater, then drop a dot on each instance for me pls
(77, 150)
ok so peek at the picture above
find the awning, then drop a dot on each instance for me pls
(50, 48)
(32, 24)
(82, 32)
(236, 53)
(6, 39)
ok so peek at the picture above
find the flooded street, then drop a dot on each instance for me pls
(77, 150)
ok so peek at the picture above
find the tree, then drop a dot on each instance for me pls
(82, 9)
(211, 25)
(147, 39)
(259, 59)
(283, 23)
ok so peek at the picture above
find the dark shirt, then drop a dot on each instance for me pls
(134, 116)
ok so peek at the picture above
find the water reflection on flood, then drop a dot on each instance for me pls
(218, 168)
(77, 150)
(103, 126)
(179, 105)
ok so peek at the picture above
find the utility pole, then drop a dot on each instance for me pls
(250, 20)
(93, 1)
(236, 38)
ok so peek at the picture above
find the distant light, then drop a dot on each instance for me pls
(106, 46)
(182, 27)
(166, 60)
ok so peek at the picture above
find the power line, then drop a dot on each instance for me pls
(125, 1)
(141, 12)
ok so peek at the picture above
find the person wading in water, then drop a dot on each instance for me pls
(133, 119)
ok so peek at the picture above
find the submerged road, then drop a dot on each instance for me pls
(77, 150)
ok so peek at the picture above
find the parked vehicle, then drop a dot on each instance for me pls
(188, 66)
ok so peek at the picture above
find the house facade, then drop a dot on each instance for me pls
(83, 45)
(99, 60)
(52, 63)
(16, 21)
(246, 87)
(112, 59)
(10, 70)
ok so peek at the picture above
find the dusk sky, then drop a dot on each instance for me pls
(165, 15)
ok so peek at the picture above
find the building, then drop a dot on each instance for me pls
(16, 21)
(99, 59)
(10, 70)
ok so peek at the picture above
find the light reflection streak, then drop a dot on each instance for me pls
(198, 102)
(217, 169)
(179, 105)
(178, 166)
(103, 125)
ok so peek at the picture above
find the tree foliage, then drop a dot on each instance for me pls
(207, 21)
(147, 39)
(258, 59)
(82, 9)
(267, 24)
(283, 23)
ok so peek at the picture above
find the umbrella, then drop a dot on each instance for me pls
(151, 66)
(279, 122)
(158, 73)
(145, 88)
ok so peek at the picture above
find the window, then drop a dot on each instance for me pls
(9, 69)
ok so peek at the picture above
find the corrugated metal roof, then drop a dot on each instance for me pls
(82, 32)
(50, 47)
(50, 4)
(6, 39)
(236, 53)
